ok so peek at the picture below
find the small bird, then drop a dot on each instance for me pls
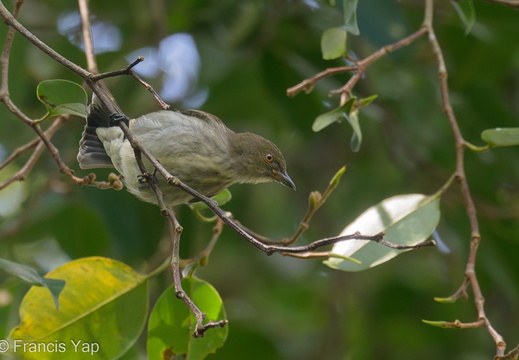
(192, 145)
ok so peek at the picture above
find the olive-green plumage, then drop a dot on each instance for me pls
(192, 145)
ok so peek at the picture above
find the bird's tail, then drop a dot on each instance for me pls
(92, 153)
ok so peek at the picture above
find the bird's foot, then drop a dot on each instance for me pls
(145, 180)
(116, 118)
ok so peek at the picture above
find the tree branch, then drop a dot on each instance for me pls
(460, 145)
(359, 68)
(514, 4)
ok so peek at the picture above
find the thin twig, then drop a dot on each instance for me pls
(56, 124)
(88, 41)
(21, 174)
(315, 201)
(6, 52)
(359, 68)
(12, 22)
(202, 257)
(148, 87)
(363, 64)
(63, 168)
(511, 355)
(514, 4)
(461, 325)
(128, 70)
(308, 84)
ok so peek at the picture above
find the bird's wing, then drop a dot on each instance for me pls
(163, 119)
(202, 115)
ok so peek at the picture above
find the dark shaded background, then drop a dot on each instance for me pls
(250, 52)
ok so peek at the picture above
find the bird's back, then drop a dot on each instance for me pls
(193, 148)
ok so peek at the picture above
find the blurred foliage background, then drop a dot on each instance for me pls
(236, 59)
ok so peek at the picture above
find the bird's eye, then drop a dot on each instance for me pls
(269, 157)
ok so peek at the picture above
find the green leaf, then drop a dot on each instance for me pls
(334, 182)
(405, 219)
(466, 12)
(501, 137)
(356, 138)
(365, 101)
(104, 306)
(447, 300)
(171, 324)
(222, 198)
(350, 16)
(336, 115)
(62, 97)
(440, 324)
(333, 43)
(31, 276)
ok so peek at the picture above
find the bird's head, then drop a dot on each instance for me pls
(257, 160)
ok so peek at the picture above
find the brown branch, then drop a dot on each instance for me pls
(63, 168)
(19, 151)
(514, 4)
(129, 71)
(6, 52)
(511, 355)
(310, 255)
(460, 325)
(363, 64)
(308, 84)
(88, 41)
(12, 22)
(148, 87)
(30, 145)
(40, 146)
(203, 256)
(359, 68)
(460, 145)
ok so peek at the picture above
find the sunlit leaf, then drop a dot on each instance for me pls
(350, 16)
(501, 137)
(103, 305)
(333, 43)
(31, 276)
(336, 115)
(466, 12)
(62, 97)
(405, 219)
(171, 324)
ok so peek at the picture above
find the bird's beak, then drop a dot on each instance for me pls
(284, 179)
